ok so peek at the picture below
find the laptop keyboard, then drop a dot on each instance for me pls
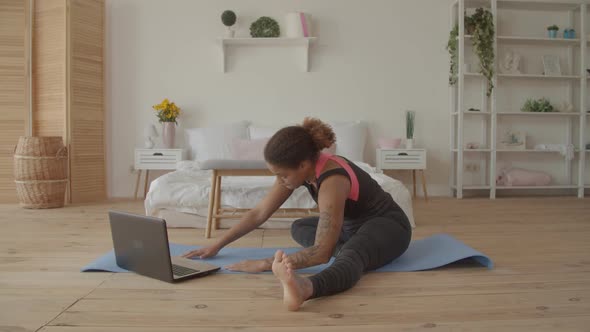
(182, 271)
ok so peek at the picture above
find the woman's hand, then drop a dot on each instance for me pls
(204, 252)
(251, 266)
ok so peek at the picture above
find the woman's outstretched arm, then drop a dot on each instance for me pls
(277, 195)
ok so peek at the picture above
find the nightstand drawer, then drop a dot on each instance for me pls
(401, 159)
(157, 158)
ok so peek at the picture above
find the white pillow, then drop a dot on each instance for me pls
(261, 132)
(249, 149)
(215, 142)
(351, 138)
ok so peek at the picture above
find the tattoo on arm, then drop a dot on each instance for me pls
(305, 258)
(313, 255)
(324, 226)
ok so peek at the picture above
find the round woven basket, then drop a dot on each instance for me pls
(40, 172)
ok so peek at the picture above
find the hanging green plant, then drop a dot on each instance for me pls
(482, 25)
(265, 27)
(483, 41)
(452, 47)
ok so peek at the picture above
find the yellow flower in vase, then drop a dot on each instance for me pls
(167, 111)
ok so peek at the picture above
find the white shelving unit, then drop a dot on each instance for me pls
(302, 44)
(575, 78)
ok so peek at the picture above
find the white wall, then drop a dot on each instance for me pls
(374, 59)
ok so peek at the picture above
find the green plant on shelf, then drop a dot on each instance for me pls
(513, 138)
(410, 116)
(228, 18)
(452, 48)
(537, 105)
(481, 26)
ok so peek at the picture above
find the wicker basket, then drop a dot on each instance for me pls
(40, 172)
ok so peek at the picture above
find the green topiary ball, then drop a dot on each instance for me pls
(228, 18)
(265, 27)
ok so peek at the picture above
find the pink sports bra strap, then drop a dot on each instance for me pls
(354, 182)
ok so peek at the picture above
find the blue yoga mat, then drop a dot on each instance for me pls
(424, 254)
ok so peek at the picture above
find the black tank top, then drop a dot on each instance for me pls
(372, 200)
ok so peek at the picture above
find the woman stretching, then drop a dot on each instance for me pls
(359, 223)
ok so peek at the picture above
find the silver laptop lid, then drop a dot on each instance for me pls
(141, 245)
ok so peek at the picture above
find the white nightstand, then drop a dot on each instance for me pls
(400, 159)
(154, 159)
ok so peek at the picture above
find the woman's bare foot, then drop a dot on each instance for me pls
(296, 289)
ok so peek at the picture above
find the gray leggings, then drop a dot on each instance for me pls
(377, 242)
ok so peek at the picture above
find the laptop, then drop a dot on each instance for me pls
(141, 246)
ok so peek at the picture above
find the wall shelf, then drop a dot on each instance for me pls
(473, 113)
(541, 114)
(474, 187)
(528, 151)
(523, 40)
(301, 43)
(539, 5)
(538, 187)
(474, 150)
(537, 40)
(538, 76)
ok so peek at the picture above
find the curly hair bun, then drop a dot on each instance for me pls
(321, 133)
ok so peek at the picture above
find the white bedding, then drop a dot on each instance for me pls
(187, 190)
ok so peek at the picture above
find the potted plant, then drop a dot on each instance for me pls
(572, 34)
(265, 27)
(167, 112)
(569, 33)
(410, 115)
(228, 18)
(552, 30)
(482, 25)
(542, 105)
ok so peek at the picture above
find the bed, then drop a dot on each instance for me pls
(182, 196)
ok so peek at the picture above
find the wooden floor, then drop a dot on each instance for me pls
(541, 281)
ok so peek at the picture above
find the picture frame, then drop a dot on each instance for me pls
(513, 140)
(551, 65)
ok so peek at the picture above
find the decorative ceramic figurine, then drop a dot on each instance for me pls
(511, 63)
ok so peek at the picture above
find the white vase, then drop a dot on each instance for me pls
(168, 133)
(229, 32)
(409, 143)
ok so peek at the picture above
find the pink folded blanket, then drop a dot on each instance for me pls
(522, 177)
